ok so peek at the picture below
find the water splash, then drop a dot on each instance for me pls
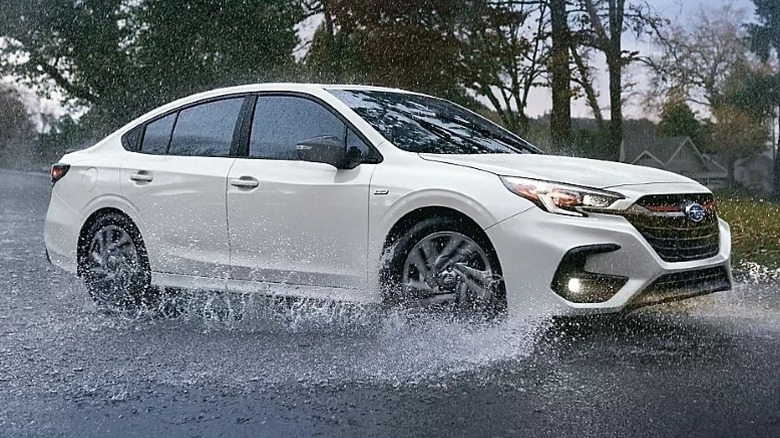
(248, 338)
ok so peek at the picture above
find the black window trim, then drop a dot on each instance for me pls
(237, 130)
(170, 136)
(246, 125)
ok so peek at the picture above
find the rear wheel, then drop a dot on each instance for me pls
(114, 264)
(443, 263)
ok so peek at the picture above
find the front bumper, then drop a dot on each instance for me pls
(532, 244)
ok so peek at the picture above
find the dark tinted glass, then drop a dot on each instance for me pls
(281, 122)
(157, 135)
(206, 130)
(132, 140)
(424, 124)
(357, 147)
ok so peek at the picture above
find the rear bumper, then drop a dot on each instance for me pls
(531, 246)
(61, 234)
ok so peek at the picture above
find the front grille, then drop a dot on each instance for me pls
(681, 285)
(663, 222)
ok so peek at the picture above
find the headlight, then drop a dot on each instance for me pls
(560, 198)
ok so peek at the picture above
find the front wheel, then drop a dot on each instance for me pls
(444, 263)
(114, 264)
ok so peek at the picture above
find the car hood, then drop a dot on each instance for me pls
(570, 170)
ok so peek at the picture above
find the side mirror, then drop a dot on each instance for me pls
(325, 149)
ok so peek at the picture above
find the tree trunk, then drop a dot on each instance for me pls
(590, 92)
(615, 66)
(560, 119)
(775, 155)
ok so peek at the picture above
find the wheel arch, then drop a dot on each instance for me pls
(82, 242)
(410, 219)
(406, 222)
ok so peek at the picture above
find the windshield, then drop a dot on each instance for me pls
(423, 124)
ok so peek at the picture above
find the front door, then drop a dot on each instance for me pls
(291, 221)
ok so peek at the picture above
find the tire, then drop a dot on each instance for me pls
(444, 263)
(115, 265)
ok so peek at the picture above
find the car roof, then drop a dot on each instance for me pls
(253, 88)
(294, 86)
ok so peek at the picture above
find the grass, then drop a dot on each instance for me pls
(755, 227)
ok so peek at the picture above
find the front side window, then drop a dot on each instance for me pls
(417, 123)
(206, 130)
(356, 147)
(281, 122)
(157, 135)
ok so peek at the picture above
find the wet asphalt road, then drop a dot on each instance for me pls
(707, 368)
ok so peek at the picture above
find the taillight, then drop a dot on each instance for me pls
(58, 171)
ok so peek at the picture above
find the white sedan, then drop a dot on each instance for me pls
(373, 195)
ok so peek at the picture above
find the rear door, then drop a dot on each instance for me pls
(177, 183)
(292, 221)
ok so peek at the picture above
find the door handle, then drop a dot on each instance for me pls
(141, 176)
(245, 182)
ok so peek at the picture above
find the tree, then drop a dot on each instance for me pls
(697, 58)
(505, 50)
(76, 47)
(560, 73)
(17, 133)
(679, 120)
(484, 48)
(603, 23)
(185, 46)
(765, 38)
(403, 43)
(120, 58)
(736, 134)
(742, 113)
(333, 56)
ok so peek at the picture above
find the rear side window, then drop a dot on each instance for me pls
(281, 122)
(132, 140)
(157, 134)
(206, 130)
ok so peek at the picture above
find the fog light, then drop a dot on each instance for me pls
(575, 284)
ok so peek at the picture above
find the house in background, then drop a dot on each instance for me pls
(756, 172)
(675, 154)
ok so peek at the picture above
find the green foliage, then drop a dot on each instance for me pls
(754, 91)
(192, 45)
(737, 134)
(743, 112)
(335, 57)
(678, 120)
(400, 43)
(442, 47)
(591, 144)
(765, 36)
(755, 228)
(121, 58)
